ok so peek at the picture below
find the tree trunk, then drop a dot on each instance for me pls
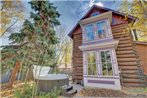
(14, 73)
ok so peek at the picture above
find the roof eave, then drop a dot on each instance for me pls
(113, 11)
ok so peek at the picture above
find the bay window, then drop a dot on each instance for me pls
(99, 59)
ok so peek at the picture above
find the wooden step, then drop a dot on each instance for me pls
(71, 92)
(124, 52)
(126, 56)
(68, 88)
(124, 45)
(126, 59)
(127, 64)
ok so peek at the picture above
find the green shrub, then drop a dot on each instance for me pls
(53, 94)
(27, 93)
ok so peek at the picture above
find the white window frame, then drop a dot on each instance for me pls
(105, 30)
(84, 35)
(111, 55)
(99, 63)
(87, 62)
(108, 31)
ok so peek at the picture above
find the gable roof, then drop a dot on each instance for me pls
(99, 7)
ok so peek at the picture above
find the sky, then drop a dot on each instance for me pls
(71, 11)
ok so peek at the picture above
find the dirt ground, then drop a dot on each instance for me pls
(9, 92)
(125, 92)
(86, 92)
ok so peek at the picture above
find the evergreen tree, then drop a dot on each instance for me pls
(37, 39)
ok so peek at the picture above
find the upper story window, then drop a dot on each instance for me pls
(96, 30)
(89, 32)
(101, 29)
(95, 13)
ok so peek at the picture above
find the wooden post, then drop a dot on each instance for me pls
(14, 73)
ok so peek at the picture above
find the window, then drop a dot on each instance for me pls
(100, 62)
(91, 60)
(95, 13)
(106, 63)
(101, 29)
(89, 32)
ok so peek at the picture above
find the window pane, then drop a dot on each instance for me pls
(106, 63)
(89, 69)
(101, 29)
(109, 69)
(92, 69)
(89, 31)
(91, 57)
(95, 13)
(104, 67)
(108, 56)
(103, 56)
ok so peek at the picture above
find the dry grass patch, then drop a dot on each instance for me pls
(95, 92)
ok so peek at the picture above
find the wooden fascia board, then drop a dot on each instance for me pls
(106, 15)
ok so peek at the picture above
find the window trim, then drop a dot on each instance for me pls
(111, 55)
(86, 32)
(108, 31)
(95, 14)
(87, 62)
(99, 63)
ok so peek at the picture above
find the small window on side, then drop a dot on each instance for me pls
(95, 13)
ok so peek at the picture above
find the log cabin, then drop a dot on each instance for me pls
(105, 54)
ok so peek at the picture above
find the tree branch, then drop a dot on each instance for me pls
(9, 27)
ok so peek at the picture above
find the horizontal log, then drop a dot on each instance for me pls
(133, 85)
(128, 67)
(129, 71)
(131, 80)
(126, 56)
(119, 25)
(124, 52)
(126, 59)
(124, 45)
(127, 63)
(122, 38)
(130, 76)
(124, 49)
